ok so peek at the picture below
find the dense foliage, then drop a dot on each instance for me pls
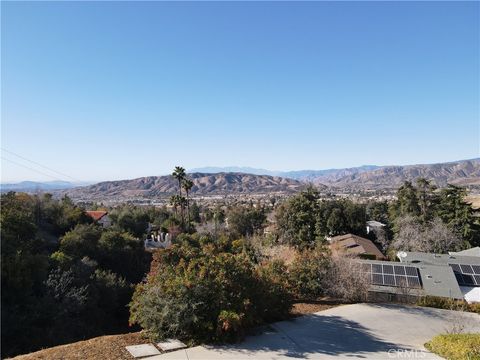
(305, 219)
(59, 269)
(440, 220)
(206, 289)
(435, 213)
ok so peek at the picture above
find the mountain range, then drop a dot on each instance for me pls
(463, 172)
(31, 186)
(236, 180)
(203, 184)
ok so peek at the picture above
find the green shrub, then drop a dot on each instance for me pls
(308, 273)
(448, 304)
(274, 300)
(198, 292)
(456, 346)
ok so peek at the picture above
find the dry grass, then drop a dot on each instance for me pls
(103, 347)
(304, 308)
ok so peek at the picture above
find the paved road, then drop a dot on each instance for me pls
(359, 331)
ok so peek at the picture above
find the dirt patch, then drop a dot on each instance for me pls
(309, 307)
(103, 347)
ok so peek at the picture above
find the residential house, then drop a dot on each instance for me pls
(350, 244)
(100, 217)
(420, 274)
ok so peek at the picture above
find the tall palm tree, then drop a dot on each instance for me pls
(174, 203)
(187, 185)
(179, 174)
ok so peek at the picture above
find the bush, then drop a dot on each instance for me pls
(307, 274)
(456, 346)
(274, 297)
(448, 304)
(345, 280)
(198, 292)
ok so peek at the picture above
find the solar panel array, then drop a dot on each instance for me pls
(467, 275)
(393, 275)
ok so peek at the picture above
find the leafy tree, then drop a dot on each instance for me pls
(49, 284)
(196, 291)
(336, 222)
(307, 274)
(427, 199)
(457, 214)
(407, 201)
(121, 253)
(132, 219)
(245, 221)
(378, 211)
(296, 218)
(195, 212)
(81, 241)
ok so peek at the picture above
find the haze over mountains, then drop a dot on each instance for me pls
(463, 172)
(30, 186)
(238, 180)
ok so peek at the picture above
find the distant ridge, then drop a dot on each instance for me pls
(367, 177)
(462, 172)
(204, 184)
(29, 186)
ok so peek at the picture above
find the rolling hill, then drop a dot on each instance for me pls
(204, 184)
(369, 177)
(463, 173)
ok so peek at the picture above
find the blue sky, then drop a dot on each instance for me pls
(115, 90)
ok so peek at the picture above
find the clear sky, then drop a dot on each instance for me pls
(115, 90)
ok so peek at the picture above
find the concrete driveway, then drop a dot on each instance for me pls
(362, 331)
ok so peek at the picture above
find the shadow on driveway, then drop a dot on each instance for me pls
(314, 334)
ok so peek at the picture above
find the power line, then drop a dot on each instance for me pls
(38, 164)
(29, 168)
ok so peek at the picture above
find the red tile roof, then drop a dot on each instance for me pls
(96, 215)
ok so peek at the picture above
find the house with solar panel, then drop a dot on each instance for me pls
(454, 276)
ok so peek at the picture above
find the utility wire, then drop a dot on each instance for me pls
(32, 169)
(38, 164)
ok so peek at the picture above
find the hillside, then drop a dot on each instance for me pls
(204, 184)
(463, 173)
(366, 177)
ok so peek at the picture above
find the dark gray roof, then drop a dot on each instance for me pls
(437, 280)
